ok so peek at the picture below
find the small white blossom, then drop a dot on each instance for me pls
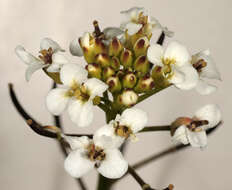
(124, 126)
(51, 57)
(207, 69)
(135, 19)
(175, 63)
(98, 153)
(77, 93)
(193, 132)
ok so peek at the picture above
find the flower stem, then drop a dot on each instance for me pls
(155, 128)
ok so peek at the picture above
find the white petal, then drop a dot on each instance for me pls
(81, 113)
(77, 142)
(96, 87)
(111, 32)
(178, 52)
(132, 13)
(178, 76)
(154, 22)
(33, 68)
(77, 164)
(85, 40)
(114, 166)
(108, 130)
(155, 53)
(58, 60)
(57, 101)
(180, 135)
(25, 56)
(191, 78)
(47, 43)
(75, 48)
(133, 28)
(197, 139)
(205, 88)
(211, 113)
(70, 73)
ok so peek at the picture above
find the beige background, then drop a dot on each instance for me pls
(28, 161)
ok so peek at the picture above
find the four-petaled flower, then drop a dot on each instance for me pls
(176, 65)
(99, 153)
(192, 130)
(51, 57)
(77, 93)
(206, 69)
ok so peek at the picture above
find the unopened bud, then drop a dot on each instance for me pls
(158, 76)
(94, 70)
(126, 58)
(142, 65)
(129, 80)
(115, 63)
(115, 47)
(128, 98)
(140, 46)
(103, 60)
(145, 84)
(120, 74)
(114, 84)
(96, 100)
(108, 72)
(99, 46)
(179, 122)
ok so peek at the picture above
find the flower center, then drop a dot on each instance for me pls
(142, 19)
(95, 153)
(199, 65)
(123, 130)
(195, 125)
(80, 92)
(46, 55)
(167, 68)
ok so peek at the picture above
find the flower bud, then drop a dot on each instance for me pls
(96, 100)
(94, 70)
(129, 80)
(140, 46)
(158, 77)
(120, 74)
(142, 65)
(145, 84)
(115, 63)
(115, 47)
(103, 60)
(114, 84)
(108, 72)
(128, 98)
(126, 58)
(179, 122)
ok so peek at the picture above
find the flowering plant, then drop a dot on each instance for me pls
(123, 68)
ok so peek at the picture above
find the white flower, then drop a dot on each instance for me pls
(194, 132)
(124, 126)
(51, 57)
(135, 19)
(77, 93)
(175, 63)
(98, 153)
(207, 69)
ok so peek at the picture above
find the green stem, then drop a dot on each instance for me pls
(155, 128)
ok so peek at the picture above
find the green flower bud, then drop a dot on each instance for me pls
(115, 63)
(120, 74)
(114, 84)
(141, 45)
(103, 60)
(158, 76)
(96, 100)
(127, 98)
(126, 58)
(145, 84)
(142, 65)
(129, 80)
(108, 72)
(94, 70)
(115, 47)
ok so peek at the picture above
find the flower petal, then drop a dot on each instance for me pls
(211, 113)
(84, 40)
(75, 48)
(177, 77)
(77, 142)
(47, 43)
(132, 28)
(96, 87)
(70, 73)
(178, 52)
(33, 68)
(191, 78)
(180, 135)
(77, 164)
(111, 32)
(58, 60)
(135, 118)
(197, 139)
(57, 101)
(114, 166)
(155, 53)
(132, 13)
(205, 88)
(81, 113)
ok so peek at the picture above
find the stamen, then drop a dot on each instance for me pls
(95, 153)
(46, 56)
(195, 126)
(97, 31)
(200, 65)
(123, 131)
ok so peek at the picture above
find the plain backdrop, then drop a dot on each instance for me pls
(29, 161)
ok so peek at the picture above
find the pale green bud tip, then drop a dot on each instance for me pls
(141, 45)
(115, 47)
(145, 84)
(142, 65)
(129, 80)
(115, 63)
(94, 70)
(103, 60)
(108, 72)
(114, 84)
(128, 98)
(126, 58)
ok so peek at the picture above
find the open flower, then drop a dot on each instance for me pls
(124, 126)
(51, 57)
(206, 69)
(98, 153)
(77, 93)
(192, 130)
(135, 20)
(175, 63)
